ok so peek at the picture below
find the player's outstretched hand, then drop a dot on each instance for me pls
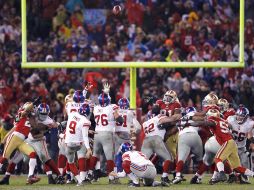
(106, 88)
(89, 153)
(87, 85)
(114, 174)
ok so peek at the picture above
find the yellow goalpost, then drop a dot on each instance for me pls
(132, 65)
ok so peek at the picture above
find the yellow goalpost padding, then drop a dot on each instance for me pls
(131, 65)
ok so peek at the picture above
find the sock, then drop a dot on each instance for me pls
(228, 169)
(179, 166)
(111, 177)
(49, 172)
(178, 174)
(154, 159)
(51, 164)
(110, 166)
(2, 161)
(61, 171)
(82, 164)
(98, 165)
(11, 168)
(164, 174)
(78, 178)
(32, 164)
(73, 169)
(61, 161)
(219, 164)
(83, 175)
(165, 166)
(92, 163)
(249, 173)
(214, 174)
(201, 168)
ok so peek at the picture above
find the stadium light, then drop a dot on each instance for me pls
(131, 65)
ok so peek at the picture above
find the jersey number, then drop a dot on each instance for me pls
(149, 128)
(72, 127)
(238, 136)
(224, 127)
(124, 121)
(27, 124)
(102, 118)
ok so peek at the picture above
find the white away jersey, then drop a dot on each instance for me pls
(189, 129)
(72, 107)
(104, 117)
(128, 116)
(136, 158)
(73, 132)
(150, 127)
(240, 131)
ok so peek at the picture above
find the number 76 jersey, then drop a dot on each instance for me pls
(240, 131)
(104, 117)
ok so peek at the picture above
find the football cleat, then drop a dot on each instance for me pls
(51, 179)
(60, 180)
(114, 181)
(232, 178)
(134, 185)
(32, 179)
(221, 177)
(177, 180)
(165, 181)
(5, 180)
(195, 180)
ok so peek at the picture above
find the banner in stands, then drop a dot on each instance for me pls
(95, 16)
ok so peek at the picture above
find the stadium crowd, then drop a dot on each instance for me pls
(176, 30)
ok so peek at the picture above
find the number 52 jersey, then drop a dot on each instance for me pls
(240, 131)
(150, 127)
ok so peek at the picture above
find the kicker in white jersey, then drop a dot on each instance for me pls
(104, 117)
(77, 129)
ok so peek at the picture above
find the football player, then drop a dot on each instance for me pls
(37, 140)
(136, 165)
(129, 126)
(153, 142)
(76, 138)
(170, 106)
(106, 115)
(188, 142)
(224, 108)
(228, 149)
(15, 139)
(242, 127)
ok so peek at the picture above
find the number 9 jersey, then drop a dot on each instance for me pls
(74, 129)
(104, 117)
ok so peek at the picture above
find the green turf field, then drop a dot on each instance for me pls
(18, 183)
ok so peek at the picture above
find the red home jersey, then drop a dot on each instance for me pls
(220, 130)
(23, 126)
(228, 113)
(170, 108)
